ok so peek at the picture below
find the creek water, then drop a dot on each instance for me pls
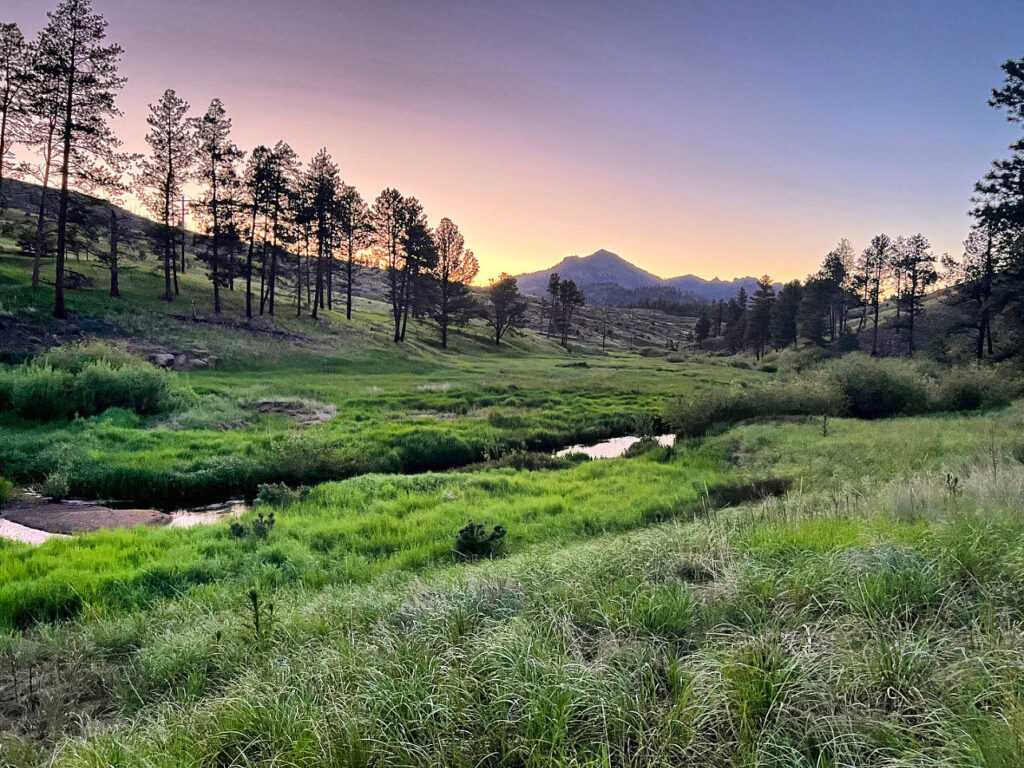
(213, 513)
(613, 448)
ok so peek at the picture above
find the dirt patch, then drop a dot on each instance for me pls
(76, 517)
(306, 413)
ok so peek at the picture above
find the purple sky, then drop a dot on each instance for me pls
(719, 138)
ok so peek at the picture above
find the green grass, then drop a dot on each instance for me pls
(868, 616)
(797, 631)
(400, 409)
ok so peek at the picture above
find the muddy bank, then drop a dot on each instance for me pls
(68, 517)
(33, 519)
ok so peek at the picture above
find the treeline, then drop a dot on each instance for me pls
(846, 295)
(832, 306)
(268, 224)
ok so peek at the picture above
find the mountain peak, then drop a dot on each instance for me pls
(602, 267)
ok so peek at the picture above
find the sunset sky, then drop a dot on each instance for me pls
(720, 138)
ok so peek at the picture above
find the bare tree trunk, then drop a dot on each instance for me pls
(115, 290)
(59, 311)
(183, 234)
(41, 219)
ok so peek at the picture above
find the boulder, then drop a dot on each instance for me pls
(162, 359)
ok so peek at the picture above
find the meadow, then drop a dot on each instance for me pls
(801, 580)
(409, 410)
(870, 616)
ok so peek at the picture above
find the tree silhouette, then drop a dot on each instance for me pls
(758, 330)
(917, 265)
(356, 230)
(783, 320)
(15, 76)
(165, 170)
(506, 308)
(72, 56)
(456, 269)
(217, 208)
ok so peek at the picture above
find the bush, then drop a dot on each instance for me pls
(874, 389)
(474, 542)
(6, 490)
(41, 392)
(87, 380)
(968, 389)
(855, 386)
(279, 495)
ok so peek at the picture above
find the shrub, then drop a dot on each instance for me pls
(41, 392)
(6, 490)
(74, 358)
(57, 485)
(855, 386)
(279, 495)
(474, 542)
(87, 381)
(139, 387)
(874, 389)
(260, 527)
(968, 389)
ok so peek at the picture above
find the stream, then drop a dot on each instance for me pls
(613, 448)
(32, 519)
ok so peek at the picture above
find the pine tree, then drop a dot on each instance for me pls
(164, 172)
(217, 208)
(758, 330)
(356, 231)
(73, 57)
(15, 78)
(456, 269)
(506, 308)
(783, 321)
(917, 265)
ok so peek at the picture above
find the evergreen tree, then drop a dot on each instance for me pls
(783, 321)
(505, 308)
(972, 279)
(702, 329)
(917, 266)
(73, 57)
(874, 268)
(456, 269)
(758, 330)
(217, 208)
(356, 230)
(813, 309)
(323, 184)
(15, 77)
(165, 171)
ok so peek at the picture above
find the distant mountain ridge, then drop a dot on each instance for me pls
(603, 268)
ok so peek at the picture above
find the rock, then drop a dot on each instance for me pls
(211, 362)
(197, 362)
(162, 359)
(181, 363)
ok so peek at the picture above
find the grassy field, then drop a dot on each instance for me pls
(408, 409)
(779, 589)
(870, 616)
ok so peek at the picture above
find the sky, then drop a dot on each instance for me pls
(710, 137)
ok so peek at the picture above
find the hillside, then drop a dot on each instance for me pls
(603, 270)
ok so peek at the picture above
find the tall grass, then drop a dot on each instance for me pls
(787, 637)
